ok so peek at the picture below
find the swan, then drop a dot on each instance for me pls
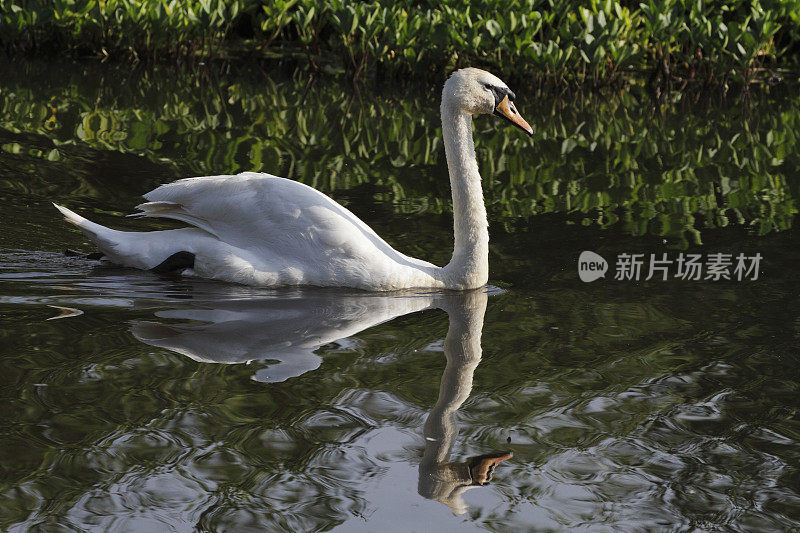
(262, 230)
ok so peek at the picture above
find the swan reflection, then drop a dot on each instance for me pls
(288, 330)
(439, 478)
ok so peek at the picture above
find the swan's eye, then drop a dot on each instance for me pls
(487, 85)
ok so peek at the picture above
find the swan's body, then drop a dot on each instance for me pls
(263, 230)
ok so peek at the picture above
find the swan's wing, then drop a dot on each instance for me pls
(259, 212)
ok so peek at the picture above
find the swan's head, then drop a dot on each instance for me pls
(477, 92)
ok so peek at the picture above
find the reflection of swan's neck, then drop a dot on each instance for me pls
(469, 267)
(462, 348)
(440, 479)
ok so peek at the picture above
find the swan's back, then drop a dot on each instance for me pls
(282, 225)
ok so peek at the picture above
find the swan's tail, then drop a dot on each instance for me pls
(105, 238)
(160, 251)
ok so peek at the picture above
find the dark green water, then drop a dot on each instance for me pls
(185, 404)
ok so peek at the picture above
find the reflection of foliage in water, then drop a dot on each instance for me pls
(620, 158)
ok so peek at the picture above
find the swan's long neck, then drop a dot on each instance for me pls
(469, 267)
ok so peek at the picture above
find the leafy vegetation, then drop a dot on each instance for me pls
(563, 40)
(671, 168)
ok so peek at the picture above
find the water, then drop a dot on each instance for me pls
(188, 404)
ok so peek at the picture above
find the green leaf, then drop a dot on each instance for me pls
(494, 28)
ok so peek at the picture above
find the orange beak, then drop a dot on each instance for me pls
(481, 468)
(508, 111)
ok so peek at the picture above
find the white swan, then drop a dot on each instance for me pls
(262, 230)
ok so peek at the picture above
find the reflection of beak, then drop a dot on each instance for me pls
(508, 111)
(481, 468)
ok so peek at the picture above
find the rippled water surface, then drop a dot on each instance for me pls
(136, 402)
